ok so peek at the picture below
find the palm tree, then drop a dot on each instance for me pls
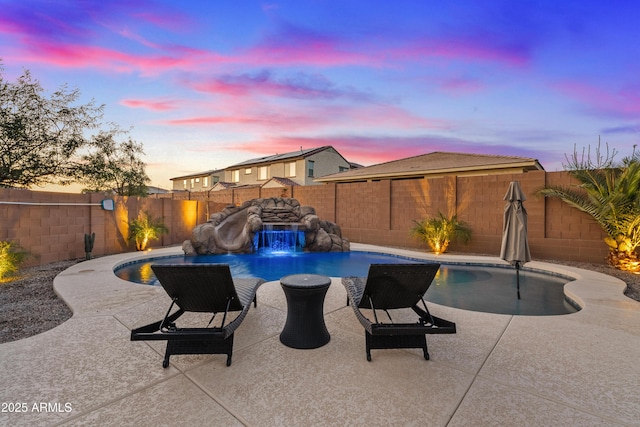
(440, 231)
(145, 228)
(610, 193)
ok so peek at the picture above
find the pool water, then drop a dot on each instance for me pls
(490, 289)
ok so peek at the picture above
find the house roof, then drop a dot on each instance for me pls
(198, 174)
(280, 181)
(300, 154)
(223, 185)
(437, 163)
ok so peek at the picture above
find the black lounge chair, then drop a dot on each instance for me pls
(205, 288)
(396, 286)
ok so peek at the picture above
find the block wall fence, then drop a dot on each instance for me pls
(52, 225)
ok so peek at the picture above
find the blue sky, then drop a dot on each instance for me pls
(206, 84)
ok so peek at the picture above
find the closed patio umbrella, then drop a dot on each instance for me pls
(515, 243)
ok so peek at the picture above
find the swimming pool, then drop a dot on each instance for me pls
(490, 289)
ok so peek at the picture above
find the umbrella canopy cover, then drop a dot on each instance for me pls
(515, 243)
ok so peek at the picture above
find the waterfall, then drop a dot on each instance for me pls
(281, 238)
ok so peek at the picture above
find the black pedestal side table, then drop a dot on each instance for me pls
(305, 327)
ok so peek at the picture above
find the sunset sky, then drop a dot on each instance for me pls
(206, 84)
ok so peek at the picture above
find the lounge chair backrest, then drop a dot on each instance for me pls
(392, 286)
(199, 287)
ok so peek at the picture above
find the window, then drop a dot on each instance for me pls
(310, 165)
(215, 180)
(205, 181)
(235, 176)
(184, 184)
(262, 172)
(247, 171)
(192, 182)
(342, 169)
(291, 169)
(197, 180)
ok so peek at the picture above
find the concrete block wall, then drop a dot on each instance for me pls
(52, 225)
(321, 197)
(379, 212)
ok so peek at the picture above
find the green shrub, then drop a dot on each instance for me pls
(12, 256)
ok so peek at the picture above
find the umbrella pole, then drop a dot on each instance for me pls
(518, 277)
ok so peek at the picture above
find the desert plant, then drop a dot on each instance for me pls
(145, 228)
(12, 256)
(610, 193)
(438, 232)
(89, 240)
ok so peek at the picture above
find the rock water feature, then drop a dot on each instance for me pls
(279, 239)
(274, 224)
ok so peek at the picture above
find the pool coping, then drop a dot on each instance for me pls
(584, 285)
(497, 370)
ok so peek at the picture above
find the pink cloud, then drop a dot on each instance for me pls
(298, 86)
(78, 56)
(381, 116)
(470, 49)
(461, 85)
(623, 102)
(213, 120)
(318, 53)
(149, 104)
(170, 19)
(269, 122)
(315, 118)
(70, 20)
(291, 45)
(70, 36)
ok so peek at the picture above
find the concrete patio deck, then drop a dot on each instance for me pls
(580, 369)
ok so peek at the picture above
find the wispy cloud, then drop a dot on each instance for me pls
(216, 120)
(269, 119)
(107, 59)
(81, 35)
(150, 104)
(288, 44)
(265, 82)
(478, 47)
(630, 129)
(461, 85)
(622, 101)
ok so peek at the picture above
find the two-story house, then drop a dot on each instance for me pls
(298, 167)
(295, 168)
(201, 181)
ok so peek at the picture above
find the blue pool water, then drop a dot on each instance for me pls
(471, 287)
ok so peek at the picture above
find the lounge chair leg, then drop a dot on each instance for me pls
(255, 301)
(368, 356)
(165, 362)
(228, 360)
